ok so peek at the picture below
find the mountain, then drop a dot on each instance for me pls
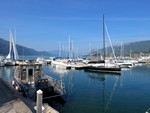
(4, 49)
(134, 47)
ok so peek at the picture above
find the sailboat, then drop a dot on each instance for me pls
(103, 67)
(12, 48)
(63, 63)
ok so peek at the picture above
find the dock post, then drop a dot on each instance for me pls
(39, 101)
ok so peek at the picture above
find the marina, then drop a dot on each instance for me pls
(74, 56)
(99, 92)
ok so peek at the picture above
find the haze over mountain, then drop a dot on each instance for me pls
(135, 47)
(4, 49)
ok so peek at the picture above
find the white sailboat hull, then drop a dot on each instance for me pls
(9, 63)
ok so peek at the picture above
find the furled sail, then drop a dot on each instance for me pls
(10, 46)
(15, 50)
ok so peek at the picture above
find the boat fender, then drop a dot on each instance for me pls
(17, 87)
(13, 83)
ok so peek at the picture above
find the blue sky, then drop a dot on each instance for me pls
(43, 24)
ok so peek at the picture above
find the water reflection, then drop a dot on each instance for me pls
(102, 78)
(69, 77)
(58, 71)
(7, 73)
(102, 93)
(64, 76)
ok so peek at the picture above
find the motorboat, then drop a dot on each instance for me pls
(29, 78)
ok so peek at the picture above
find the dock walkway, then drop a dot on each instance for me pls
(10, 101)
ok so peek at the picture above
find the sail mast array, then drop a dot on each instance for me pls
(105, 30)
(12, 45)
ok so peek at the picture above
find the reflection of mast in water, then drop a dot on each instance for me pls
(70, 85)
(63, 72)
(103, 94)
(121, 81)
(101, 77)
(111, 95)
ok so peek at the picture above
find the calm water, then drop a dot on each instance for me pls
(89, 92)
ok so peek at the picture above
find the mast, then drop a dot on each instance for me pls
(104, 40)
(16, 57)
(10, 46)
(72, 54)
(70, 48)
(60, 50)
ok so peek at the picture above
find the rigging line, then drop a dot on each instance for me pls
(52, 96)
(110, 41)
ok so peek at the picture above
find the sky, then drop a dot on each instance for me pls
(45, 24)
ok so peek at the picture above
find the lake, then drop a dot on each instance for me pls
(88, 92)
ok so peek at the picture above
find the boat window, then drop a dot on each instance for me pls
(23, 75)
(30, 72)
(43, 83)
(23, 69)
(37, 69)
